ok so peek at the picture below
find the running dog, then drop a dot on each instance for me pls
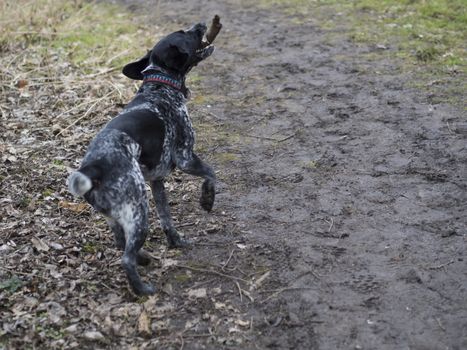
(145, 142)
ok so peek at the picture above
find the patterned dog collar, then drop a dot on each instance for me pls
(163, 79)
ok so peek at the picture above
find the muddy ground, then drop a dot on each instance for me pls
(340, 220)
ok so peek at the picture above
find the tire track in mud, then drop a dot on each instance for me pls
(348, 185)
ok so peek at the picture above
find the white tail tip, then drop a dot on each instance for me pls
(79, 183)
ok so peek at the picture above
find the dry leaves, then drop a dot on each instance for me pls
(144, 324)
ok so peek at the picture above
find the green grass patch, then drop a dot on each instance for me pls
(86, 34)
(11, 285)
(310, 164)
(47, 192)
(90, 248)
(423, 35)
(182, 278)
(427, 31)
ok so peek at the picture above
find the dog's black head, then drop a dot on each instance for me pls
(177, 53)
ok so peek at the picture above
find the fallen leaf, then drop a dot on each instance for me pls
(197, 293)
(56, 246)
(75, 207)
(169, 262)
(93, 335)
(233, 330)
(39, 244)
(144, 324)
(55, 311)
(21, 83)
(219, 306)
(71, 329)
(5, 248)
(242, 323)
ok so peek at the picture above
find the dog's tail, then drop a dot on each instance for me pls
(81, 181)
(79, 184)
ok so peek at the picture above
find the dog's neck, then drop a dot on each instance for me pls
(157, 75)
(162, 78)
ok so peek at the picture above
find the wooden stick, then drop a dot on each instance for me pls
(211, 271)
(213, 30)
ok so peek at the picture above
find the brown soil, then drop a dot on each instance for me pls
(340, 219)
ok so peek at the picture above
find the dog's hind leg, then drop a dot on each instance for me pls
(174, 240)
(129, 262)
(195, 166)
(142, 258)
(118, 232)
(133, 219)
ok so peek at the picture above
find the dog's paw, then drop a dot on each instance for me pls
(178, 242)
(208, 195)
(174, 240)
(143, 258)
(145, 289)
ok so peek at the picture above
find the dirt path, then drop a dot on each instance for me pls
(347, 185)
(340, 221)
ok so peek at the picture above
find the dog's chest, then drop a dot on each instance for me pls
(179, 135)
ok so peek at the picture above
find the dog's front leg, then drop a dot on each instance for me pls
(163, 211)
(195, 166)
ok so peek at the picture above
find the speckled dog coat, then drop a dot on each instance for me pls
(146, 141)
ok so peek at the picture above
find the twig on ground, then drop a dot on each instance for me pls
(287, 138)
(228, 260)
(331, 224)
(188, 224)
(213, 272)
(182, 342)
(437, 267)
(117, 89)
(213, 244)
(73, 108)
(248, 295)
(271, 138)
(440, 324)
(239, 290)
(260, 280)
(197, 285)
(106, 286)
(90, 76)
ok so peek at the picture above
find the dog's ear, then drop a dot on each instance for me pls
(133, 70)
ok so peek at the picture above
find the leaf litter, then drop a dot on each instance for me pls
(61, 284)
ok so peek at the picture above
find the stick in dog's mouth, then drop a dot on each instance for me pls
(212, 32)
